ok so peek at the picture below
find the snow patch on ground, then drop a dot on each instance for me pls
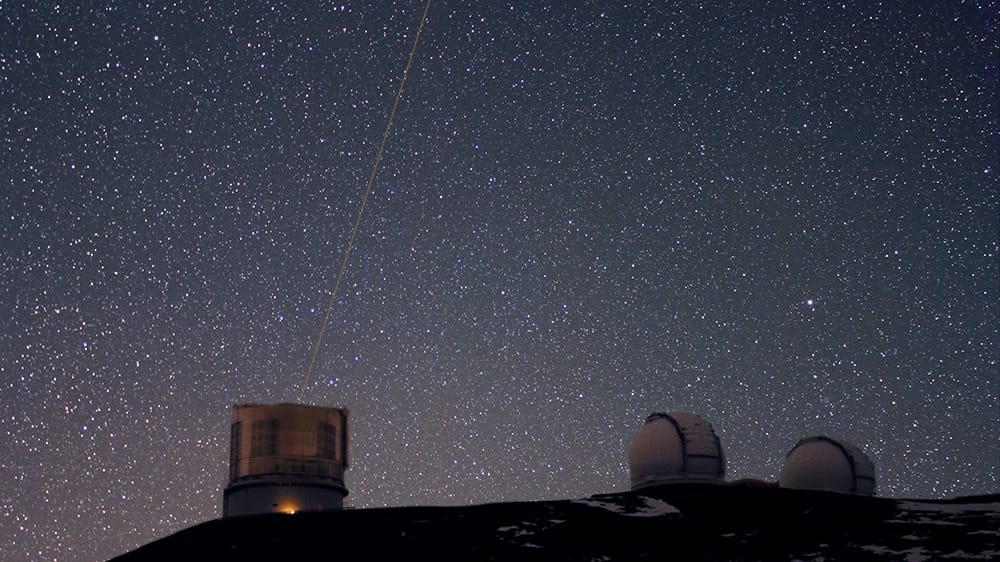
(937, 514)
(924, 521)
(812, 557)
(526, 529)
(652, 508)
(915, 554)
(602, 505)
(963, 555)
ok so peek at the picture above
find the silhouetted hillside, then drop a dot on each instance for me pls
(676, 522)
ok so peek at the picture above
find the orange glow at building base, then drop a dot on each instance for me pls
(289, 507)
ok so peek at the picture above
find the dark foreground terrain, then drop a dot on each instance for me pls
(676, 522)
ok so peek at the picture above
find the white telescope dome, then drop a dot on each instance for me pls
(824, 463)
(675, 447)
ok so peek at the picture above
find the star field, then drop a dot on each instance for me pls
(783, 218)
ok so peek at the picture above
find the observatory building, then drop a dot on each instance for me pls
(675, 447)
(824, 463)
(285, 458)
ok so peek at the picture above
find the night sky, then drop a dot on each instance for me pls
(782, 217)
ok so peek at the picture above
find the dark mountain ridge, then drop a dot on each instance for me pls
(678, 522)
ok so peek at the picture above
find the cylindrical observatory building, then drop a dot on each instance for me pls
(285, 458)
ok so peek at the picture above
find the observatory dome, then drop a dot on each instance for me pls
(824, 463)
(675, 447)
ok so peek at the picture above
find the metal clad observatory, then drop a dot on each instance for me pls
(285, 458)
(675, 447)
(824, 463)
